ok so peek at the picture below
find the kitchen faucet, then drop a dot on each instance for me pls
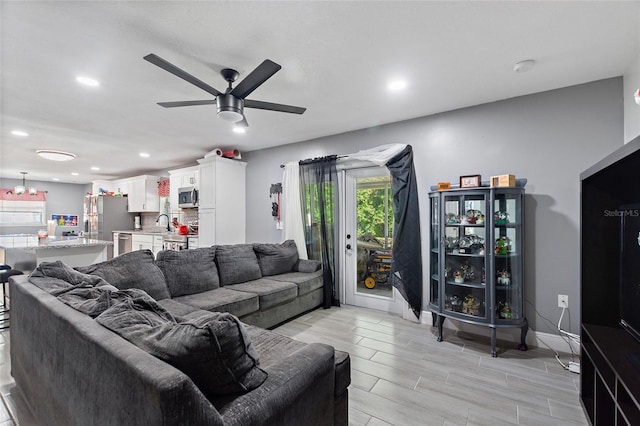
(168, 221)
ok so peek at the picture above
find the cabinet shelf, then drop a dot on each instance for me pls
(467, 284)
(500, 305)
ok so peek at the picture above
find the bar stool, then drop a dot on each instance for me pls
(5, 273)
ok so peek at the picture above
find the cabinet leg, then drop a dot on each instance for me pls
(523, 336)
(440, 321)
(493, 343)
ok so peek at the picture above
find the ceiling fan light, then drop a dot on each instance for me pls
(55, 155)
(19, 189)
(232, 116)
(230, 108)
(33, 191)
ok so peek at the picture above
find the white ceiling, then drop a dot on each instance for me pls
(336, 58)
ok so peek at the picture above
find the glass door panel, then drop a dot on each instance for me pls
(465, 235)
(508, 248)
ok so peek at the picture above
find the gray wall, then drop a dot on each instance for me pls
(62, 198)
(548, 138)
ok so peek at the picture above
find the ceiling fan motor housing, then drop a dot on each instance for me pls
(230, 107)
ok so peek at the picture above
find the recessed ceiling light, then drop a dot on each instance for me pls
(397, 85)
(88, 81)
(53, 155)
(144, 155)
(238, 129)
(95, 169)
(21, 133)
(55, 178)
(524, 66)
(74, 173)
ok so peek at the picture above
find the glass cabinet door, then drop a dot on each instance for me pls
(434, 250)
(507, 271)
(464, 247)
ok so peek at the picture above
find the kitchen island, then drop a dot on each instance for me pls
(25, 251)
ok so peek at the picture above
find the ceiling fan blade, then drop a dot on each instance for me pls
(255, 78)
(249, 103)
(243, 122)
(186, 103)
(168, 66)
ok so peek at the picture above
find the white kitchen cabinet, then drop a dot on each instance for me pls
(222, 201)
(142, 242)
(158, 244)
(181, 178)
(142, 192)
(107, 185)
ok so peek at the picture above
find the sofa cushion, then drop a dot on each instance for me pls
(222, 300)
(307, 265)
(136, 269)
(306, 282)
(189, 271)
(276, 258)
(237, 263)
(214, 351)
(270, 292)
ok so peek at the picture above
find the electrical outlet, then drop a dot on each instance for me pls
(563, 301)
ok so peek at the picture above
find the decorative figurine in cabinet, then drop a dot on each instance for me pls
(477, 257)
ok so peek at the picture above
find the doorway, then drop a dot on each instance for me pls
(366, 239)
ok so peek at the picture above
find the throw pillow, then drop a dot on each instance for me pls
(136, 269)
(189, 271)
(237, 263)
(276, 259)
(213, 350)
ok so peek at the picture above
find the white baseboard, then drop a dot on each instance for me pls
(534, 338)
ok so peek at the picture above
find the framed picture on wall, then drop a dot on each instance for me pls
(65, 219)
(470, 181)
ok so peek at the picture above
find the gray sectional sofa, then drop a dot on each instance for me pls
(138, 340)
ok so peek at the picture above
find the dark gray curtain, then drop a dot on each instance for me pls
(406, 262)
(318, 192)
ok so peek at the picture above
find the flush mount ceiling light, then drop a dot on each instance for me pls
(144, 155)
(524, 66)
(20, 189)
(20, 133)
(87, 81)
(237, 129)
(95, 169)
(55, 155)
(397, 85)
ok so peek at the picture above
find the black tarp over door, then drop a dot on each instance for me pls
(406, 262)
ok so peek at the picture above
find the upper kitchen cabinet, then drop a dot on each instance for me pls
(142, 192)
(182, 178)
(222, 205)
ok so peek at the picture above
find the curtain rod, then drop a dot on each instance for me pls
(310, 160)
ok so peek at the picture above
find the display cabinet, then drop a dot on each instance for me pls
(476, 258)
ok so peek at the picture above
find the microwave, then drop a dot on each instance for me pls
(187, 197)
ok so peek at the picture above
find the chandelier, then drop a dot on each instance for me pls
(21, 189)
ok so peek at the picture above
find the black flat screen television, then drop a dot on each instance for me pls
(630, 269)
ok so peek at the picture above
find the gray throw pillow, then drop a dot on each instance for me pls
(276, 259)
(136, 269)
(214, 350)
(237, 263)
(189, 271)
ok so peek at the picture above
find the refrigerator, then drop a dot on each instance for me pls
(104, 214)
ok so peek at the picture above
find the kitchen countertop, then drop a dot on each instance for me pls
(31, 242)
(161, 233)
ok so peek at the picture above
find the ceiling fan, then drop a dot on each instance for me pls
(232, 102)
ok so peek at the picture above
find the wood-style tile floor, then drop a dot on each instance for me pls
(400, 375)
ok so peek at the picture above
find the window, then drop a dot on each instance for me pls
(22, 210)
